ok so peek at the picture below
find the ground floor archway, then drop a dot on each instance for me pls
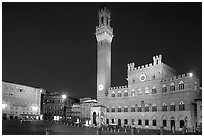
(172, 124)
(119, 122)
(94, 118)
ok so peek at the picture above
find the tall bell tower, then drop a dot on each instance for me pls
(104, 35)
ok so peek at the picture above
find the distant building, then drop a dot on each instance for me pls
(57, 106)
(154, 96)
(85, 108)
(75, 112)
(20, 101)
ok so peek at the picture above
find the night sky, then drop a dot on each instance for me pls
(53, 45)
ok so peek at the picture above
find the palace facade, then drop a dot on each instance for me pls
(20, 101)
(155, 95)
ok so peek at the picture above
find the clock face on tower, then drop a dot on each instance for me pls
(143, 77)
(100, 87)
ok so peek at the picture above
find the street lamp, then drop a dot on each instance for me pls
(64, 96)
(190, 74)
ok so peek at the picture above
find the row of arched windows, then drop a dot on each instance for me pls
(147, 108)
(146, 122)
(154, 90)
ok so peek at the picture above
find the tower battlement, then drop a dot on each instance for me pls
(156, 61)
(104, 11)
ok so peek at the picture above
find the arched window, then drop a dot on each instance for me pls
(107, 109)
(133, 93)
(133, 121)
(172, 107)
(154, 108)
(146, 90)
(113, 120)
(164, 107)
(146, 108)
(181, 85)
(119, 94)
(125, 121)
(139, 122)
(113, 109)
(181, 106)
(139, 91)
(154, 90)
(125, 109)
(139, 108)
(125, 93)
(113, 94)
(154, 122)
(146, 122)
(133, 109)
(119, 108)
(164, 123)
(107, 121)
(172, 87)
(164, 89)
(181, 123)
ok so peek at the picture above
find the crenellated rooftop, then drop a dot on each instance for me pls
(156, 61)
(177, 77)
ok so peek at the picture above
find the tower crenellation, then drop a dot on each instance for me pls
(157, 60)
(176, 77)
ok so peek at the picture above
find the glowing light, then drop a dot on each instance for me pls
(64, 96)
(4, 106)
(190, 74)
(34, 108)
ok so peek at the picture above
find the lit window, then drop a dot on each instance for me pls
(139, 91)
(133, 93)
(125, 93)
(119, 109)
(172, 107)
(113, 94)
(154, 108)
(146, 90)
(164, 89)
(125, 109)
(164, 107)
(172, 87)
(119, 94)
(146, 108)
(154, 90)
(139, 109)
(113, 109)
(133, 109)
(181, 85)
(181, 106)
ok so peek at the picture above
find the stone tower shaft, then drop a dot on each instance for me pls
(104, 35)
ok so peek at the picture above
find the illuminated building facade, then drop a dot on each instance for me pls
(155, 95)
(85, 108)
(20, 101)
(57, 106)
